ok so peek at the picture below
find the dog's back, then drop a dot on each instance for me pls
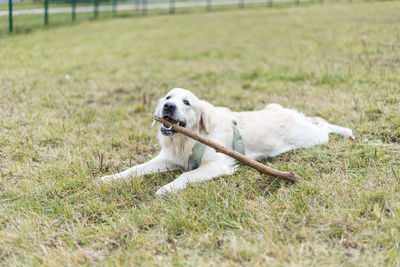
(275, 130)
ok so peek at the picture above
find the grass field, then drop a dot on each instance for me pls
(23, 24)
(76, 103)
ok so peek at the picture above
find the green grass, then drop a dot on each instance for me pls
(76, 103)
(23, 24)
(29, 23)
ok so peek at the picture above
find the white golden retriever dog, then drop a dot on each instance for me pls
(266, 133)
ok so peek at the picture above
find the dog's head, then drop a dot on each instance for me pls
(184, 108)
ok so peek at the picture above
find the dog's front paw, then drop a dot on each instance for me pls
(170, 188)
(164, 190)
(107, 179)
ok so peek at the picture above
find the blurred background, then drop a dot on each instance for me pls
(19, 16)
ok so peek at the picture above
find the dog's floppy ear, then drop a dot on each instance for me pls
(205, 117)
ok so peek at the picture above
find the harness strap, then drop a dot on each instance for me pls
(199, 148)
(238, 143)
(197, 155)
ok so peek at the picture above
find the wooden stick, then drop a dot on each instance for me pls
(261, 168)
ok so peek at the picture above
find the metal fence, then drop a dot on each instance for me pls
(139, 7)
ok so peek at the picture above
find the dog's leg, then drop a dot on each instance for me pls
(204, 173)
(158, 164)
(342, 131)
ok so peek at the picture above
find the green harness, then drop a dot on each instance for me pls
(199, 148)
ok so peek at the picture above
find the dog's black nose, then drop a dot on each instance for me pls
(169, 108)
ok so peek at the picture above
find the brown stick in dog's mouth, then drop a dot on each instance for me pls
(261, 168)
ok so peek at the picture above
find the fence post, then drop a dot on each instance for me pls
(96, 8)
(46, 12)
(144, 7)
(73, 2)
(137, 7)
(114, 7)
(171, 6)
(208, 5)
(10, 16)
(241, 3)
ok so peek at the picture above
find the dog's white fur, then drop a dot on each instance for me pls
(266, 133)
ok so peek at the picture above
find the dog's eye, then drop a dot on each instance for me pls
(168, 97)
(186, 102)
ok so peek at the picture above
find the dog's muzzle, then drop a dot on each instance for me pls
(169, 114)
